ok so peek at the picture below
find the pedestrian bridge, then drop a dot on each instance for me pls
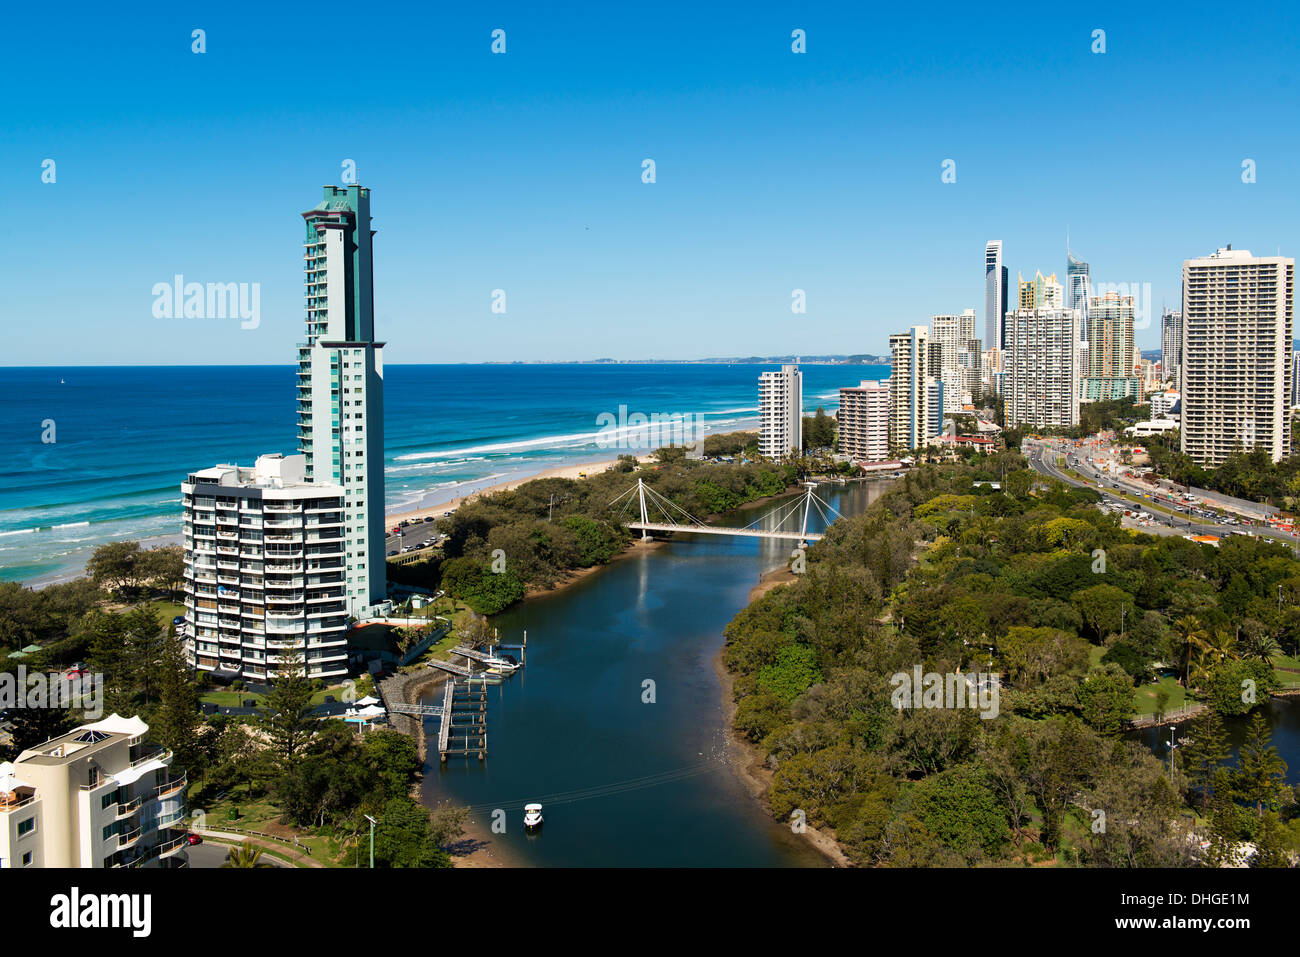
(673, 518)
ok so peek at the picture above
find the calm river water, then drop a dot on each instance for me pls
(628, 783)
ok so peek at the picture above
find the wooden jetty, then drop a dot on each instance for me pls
(464, 721)
(458, 670)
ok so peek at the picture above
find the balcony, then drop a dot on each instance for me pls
(172, 847)
(126, 809)
(128, 839)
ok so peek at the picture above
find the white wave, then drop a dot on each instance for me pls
(577, 437)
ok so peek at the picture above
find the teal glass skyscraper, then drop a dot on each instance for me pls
(341, 381)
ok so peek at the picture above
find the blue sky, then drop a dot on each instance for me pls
(522, 171)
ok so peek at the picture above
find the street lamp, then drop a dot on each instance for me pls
(373, 822)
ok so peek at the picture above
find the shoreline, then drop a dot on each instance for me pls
(747, 760)
(438, 509)
(475, 847)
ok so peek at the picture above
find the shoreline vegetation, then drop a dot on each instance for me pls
(537, 536)
(1079, 620)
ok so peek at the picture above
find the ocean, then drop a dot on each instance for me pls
(97, 454)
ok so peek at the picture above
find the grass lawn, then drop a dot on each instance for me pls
(233, 699)
(259, 814)
(365, 685)
(1144, 696)
(167, 610)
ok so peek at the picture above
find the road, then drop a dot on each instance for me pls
(411, 535)
(1042, 458)
(213, 854)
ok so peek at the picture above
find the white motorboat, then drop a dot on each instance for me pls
(532, 816)
(501, 665)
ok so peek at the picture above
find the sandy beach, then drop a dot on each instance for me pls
(472, 491)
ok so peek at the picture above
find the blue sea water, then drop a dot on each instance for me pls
(125, 437)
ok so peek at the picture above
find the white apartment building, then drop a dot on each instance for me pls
(1040, 369)
(863, 421)
(780, 411)
(1162, 403)
(958, 358)
(265, 570)
(1171, 347)
(1237, 355)
(97, 796)
(916, 400)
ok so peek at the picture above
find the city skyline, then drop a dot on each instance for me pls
(523, 172)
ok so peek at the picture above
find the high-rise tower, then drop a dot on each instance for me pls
(995, 295)
(1077, 288)
(341, 381)
(1236, 370)
(780, 409)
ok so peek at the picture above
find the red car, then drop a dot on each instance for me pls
(192, 839)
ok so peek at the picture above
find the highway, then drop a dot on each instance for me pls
(1042, 456)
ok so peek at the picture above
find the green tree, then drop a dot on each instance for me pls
(1106, 698)
(246, 854)
(1259, 779)
(116, 566)
(404, 837)
(1203, 753)
(286, 715)
(176, 720)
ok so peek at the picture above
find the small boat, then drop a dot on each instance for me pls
(503, 665)
(532, 816)
(483, 677)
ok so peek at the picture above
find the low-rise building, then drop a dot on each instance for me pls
(98, 796)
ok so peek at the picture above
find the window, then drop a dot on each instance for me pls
(27, 826)
(27, 859)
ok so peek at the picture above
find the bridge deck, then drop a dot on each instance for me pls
(710, 530)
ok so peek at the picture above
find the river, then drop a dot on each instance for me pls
(625, 782)
(1282, 715)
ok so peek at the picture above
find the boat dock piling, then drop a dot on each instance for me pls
(464, 721)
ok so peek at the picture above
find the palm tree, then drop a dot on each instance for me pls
(245, 855)
(1263, 647)
(1192, 636)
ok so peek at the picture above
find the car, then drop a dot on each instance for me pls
(191, 839)
(446, 514)
(393, 552)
